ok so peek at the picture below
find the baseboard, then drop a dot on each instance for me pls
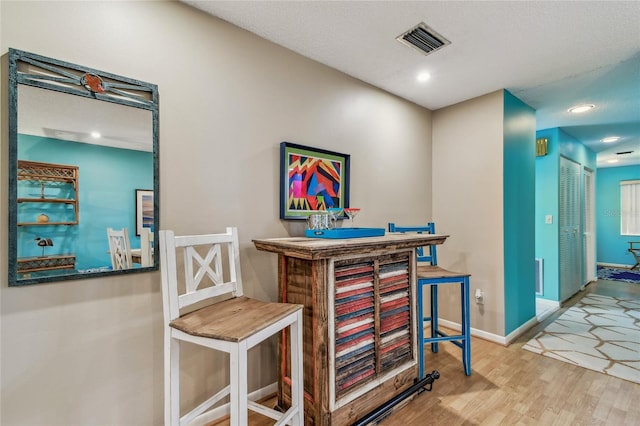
(224, 410)
(551, 305)
(520, 330)
(548, 303)
(502, 340)
(615, 265)
(474, 331)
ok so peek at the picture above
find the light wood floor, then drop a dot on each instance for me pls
(512, 386)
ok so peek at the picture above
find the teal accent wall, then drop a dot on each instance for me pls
(107, 184)
(611, 247)
(547, 194)
(547, 203)
(519, 204)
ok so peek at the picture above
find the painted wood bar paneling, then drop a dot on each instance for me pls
(309, 271)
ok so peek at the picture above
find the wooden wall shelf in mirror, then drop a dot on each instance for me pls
(58, 185)
(68, 121)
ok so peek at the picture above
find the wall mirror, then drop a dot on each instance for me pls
(83, 172)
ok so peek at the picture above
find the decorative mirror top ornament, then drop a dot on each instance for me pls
(92, 82)
(47, 73)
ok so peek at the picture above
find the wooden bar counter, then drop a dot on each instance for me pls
(359, 320)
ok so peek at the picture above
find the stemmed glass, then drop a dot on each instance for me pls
(351, 212)
(334, 212)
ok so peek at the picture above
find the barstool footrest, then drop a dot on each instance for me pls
(452, 339)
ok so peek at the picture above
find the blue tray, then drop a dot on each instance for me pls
(345, 233)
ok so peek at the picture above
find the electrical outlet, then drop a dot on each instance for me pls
(479, 297)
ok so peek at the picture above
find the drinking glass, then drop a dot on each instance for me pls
(351, 212)
(334, 212)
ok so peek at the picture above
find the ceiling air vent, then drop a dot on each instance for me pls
(423, 38)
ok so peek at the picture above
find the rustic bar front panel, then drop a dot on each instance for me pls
(359, 339)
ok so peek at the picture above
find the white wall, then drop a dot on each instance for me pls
(468, 204)
(90, 351)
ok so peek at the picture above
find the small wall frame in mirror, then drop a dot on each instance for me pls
(81, 142)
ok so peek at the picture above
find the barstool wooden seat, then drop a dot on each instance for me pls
(233, 326)
(430, 274)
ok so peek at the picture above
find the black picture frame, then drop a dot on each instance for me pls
(312, 180)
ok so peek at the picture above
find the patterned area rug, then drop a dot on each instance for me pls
(618, 274)
(600, 333)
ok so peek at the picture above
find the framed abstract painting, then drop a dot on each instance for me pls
(311, 180)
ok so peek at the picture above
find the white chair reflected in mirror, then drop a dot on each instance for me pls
(210, 268)
(146, 247)
(119, 249)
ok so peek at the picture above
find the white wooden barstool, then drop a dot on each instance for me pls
(233, 326)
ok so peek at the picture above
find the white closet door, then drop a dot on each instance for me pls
(569, 221)
(589, 228)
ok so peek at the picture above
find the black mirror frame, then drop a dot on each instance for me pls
(69, 79)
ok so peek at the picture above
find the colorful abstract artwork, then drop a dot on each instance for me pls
(311, 180)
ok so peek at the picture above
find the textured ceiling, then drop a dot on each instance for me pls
(550, 54)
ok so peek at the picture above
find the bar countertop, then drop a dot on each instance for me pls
(321, 248)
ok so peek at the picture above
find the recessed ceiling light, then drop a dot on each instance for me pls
(581, 108)
(423, 76)
(615, 160)
(610, 139)
(95, 135)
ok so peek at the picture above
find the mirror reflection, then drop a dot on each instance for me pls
(83, 173)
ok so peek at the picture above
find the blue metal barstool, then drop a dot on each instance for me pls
(429, 273)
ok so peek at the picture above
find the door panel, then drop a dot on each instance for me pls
(569, 223)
